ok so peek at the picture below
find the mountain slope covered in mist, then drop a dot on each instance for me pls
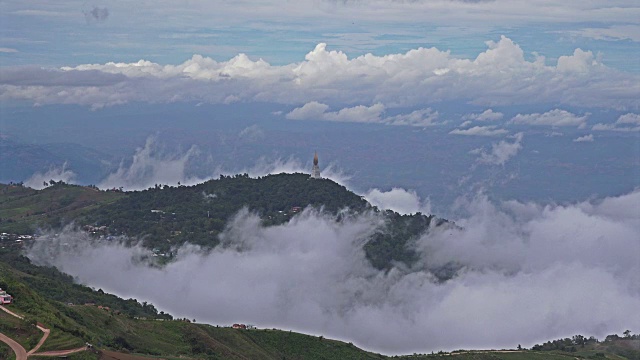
(77, 314)
(310, 270)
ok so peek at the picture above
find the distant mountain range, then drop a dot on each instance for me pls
(19, 161)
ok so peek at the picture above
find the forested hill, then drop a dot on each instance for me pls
(166, 217)
(197, 214)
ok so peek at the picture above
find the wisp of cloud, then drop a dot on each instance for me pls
(40, 180)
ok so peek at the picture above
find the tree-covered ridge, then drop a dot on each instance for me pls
(23, 210)
(391, 243)
(167, 216)
(23, 277)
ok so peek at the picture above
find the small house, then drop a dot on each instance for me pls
(5, 298)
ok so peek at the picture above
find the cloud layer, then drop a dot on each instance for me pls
(363, 114)
(362, 87)
(529, 273)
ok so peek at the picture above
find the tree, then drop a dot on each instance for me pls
(578, 340)
(627, 334)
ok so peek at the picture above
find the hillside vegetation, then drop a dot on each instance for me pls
(23, 210)
(116, 328)
(166, 217)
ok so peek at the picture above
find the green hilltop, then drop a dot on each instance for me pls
(166, 217)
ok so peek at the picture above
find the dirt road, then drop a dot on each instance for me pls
(21, 353)
(59, 352)
(10, 312)
(42, 340)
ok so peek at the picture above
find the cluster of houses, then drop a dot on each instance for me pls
(243, 326)
(6, 236)
(157, 252)
(96, 229)
(16, 239)
(5, 298)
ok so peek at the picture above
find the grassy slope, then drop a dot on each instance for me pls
(22, 208)
(6, 353)
(19, 330)
(71, 326)
(613, 350)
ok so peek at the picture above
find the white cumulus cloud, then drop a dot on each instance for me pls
(487, 115)
(585, 138)
(626, 122)
(498, 76)
(554, 118)
(399, 200)
(364, 114)
(501, 151)
(479, 131)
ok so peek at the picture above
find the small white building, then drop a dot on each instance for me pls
(5, 298)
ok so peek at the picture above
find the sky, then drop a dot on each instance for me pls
(77, 32)
(523, 113)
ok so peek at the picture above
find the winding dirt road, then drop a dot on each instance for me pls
(42, 340)
(21, 353)
(60, 352)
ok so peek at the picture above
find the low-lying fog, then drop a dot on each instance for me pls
(532, 273)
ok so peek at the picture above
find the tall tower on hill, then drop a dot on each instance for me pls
(315, 172)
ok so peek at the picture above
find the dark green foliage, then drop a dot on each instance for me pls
(55, 285)
(391, 243)
(6, 352)
(23, 210)
(197, 214)
(166, 216)
(627, 347)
